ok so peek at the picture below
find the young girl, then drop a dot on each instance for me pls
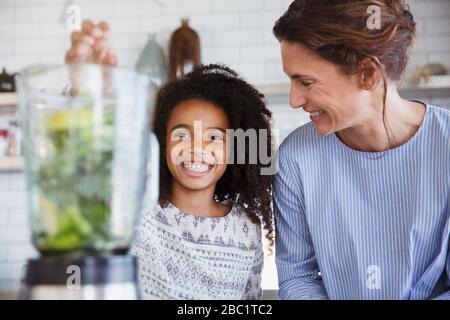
(203, 240)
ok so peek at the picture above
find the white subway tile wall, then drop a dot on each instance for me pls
(15, 245)
(234, 32)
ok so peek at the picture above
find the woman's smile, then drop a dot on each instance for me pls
(316, 116)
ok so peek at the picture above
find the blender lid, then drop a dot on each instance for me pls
(93, 270)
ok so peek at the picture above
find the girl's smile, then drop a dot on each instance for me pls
(196, 169)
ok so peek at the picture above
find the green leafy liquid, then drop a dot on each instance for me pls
(74, 182)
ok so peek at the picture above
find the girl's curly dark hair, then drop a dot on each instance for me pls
(246, 109)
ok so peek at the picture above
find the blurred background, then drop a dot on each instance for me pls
(234, 32)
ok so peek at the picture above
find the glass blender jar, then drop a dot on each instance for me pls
(89, 160)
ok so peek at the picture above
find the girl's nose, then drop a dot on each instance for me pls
(297, 97)
(199, 149)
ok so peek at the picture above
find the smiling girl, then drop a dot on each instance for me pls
(203, 240)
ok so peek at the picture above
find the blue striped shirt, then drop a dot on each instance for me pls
(364, 225)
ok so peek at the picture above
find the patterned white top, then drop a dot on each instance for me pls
(183, 256)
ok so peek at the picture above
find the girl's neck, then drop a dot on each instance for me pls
(402, 117)
(197, 202)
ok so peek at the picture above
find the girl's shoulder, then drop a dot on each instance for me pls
(242, 215)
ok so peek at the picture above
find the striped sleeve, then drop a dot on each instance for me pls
(298, 271)
(446, 295)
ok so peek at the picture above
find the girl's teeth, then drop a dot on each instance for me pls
(196, 167)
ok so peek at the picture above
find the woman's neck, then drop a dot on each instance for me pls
(402, 119)
(197, 202)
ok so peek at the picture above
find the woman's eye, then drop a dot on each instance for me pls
(304, 83)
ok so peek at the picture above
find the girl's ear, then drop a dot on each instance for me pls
(369, 74)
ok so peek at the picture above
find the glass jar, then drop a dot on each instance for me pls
(151, 61)
(85, 133)
(184, 51)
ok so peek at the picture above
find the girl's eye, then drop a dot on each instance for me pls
(216, 137)
(182, 136)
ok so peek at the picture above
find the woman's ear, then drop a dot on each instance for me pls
(370, 74)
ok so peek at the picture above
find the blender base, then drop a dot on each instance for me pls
(85, 278)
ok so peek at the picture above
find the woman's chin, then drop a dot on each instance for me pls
(323, 130)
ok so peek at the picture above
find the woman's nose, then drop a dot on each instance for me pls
(297, 97)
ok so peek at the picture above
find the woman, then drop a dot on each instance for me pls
(362, 195)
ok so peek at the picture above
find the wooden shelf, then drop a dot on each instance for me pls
(8, 99)
(11, 164)
(425, 92)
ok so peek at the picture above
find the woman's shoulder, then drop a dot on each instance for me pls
(439, 118)
(303, 142)
(300, 134)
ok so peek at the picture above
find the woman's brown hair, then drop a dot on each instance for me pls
(338, 31)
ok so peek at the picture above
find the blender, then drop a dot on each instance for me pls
(91, 165)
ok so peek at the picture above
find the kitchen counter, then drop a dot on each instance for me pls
(9, 295)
